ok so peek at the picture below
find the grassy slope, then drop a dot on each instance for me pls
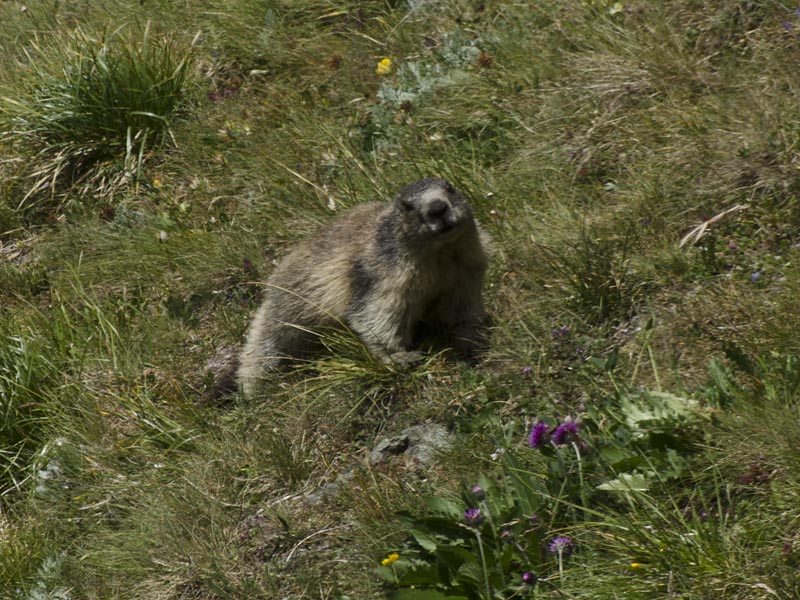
(589, 145)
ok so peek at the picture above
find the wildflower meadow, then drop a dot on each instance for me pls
(631, 432)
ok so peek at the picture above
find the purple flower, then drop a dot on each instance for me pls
(755, 276)
(561, 545)
(473, 517)
(526, 371)
(787, 26)
(478, 492)
(566, 432)
(529, 578)
(538, 435)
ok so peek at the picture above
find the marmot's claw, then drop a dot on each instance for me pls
(407, 359)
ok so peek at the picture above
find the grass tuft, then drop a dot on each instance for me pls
(92, 109)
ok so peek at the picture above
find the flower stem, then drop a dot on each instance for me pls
(483, 564)
(584, 500)
(497, 548)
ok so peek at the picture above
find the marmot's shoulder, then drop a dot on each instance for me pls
(357, 226)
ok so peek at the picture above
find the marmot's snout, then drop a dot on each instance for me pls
(438, 215)
(437, 209)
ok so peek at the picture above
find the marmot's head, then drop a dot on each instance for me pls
(433, 209)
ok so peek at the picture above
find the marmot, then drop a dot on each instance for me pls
(383, 270)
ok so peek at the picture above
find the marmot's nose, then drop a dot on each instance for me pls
(437, 209)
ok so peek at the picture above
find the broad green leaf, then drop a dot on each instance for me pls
(451, 508)
(471, 572)
(421, 574)
(627, 482)
(659, 410)
(423, 539)
(620, 460)
(526, 487)
(453, 557)
(418, 595)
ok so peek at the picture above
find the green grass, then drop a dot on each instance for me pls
(91, 108)
(156, 160)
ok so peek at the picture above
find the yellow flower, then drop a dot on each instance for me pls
(635, 565)
(157, 183)
(390, 559)
(384, 66)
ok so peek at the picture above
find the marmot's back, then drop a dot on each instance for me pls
(381, 269)
(312, 278)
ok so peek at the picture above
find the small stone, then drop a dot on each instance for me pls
(419, 445)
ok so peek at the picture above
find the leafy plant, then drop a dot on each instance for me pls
(412, 85)
(494, 541)
(45, 586)
(481, 545)
(647, 437)
(501, 539)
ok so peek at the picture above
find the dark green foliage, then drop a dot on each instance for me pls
(449, 553)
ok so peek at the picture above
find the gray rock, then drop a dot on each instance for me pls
(418, 445)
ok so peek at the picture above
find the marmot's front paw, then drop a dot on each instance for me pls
(407, 359)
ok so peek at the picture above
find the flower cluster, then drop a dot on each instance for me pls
(529, 578)
(538, 435)
(788, 25)
(390, 559)
(384, 67)
(473, 517)
(478, 493)
(565, 433)
(561, 545)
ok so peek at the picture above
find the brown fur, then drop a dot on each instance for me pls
(381, 269)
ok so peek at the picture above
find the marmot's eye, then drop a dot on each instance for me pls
(407, 205)
(449, 189)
